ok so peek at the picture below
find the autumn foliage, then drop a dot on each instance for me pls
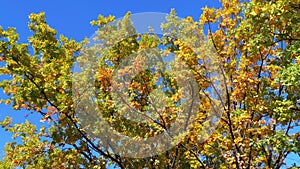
(256, 48)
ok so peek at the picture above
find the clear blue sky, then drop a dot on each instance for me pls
(72, 19)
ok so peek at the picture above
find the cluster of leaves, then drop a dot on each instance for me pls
(257, 48)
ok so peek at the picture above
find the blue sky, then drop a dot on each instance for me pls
(72, 18)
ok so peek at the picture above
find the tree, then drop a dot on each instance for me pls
(255, 63)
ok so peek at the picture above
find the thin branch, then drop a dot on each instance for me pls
(228, 106)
